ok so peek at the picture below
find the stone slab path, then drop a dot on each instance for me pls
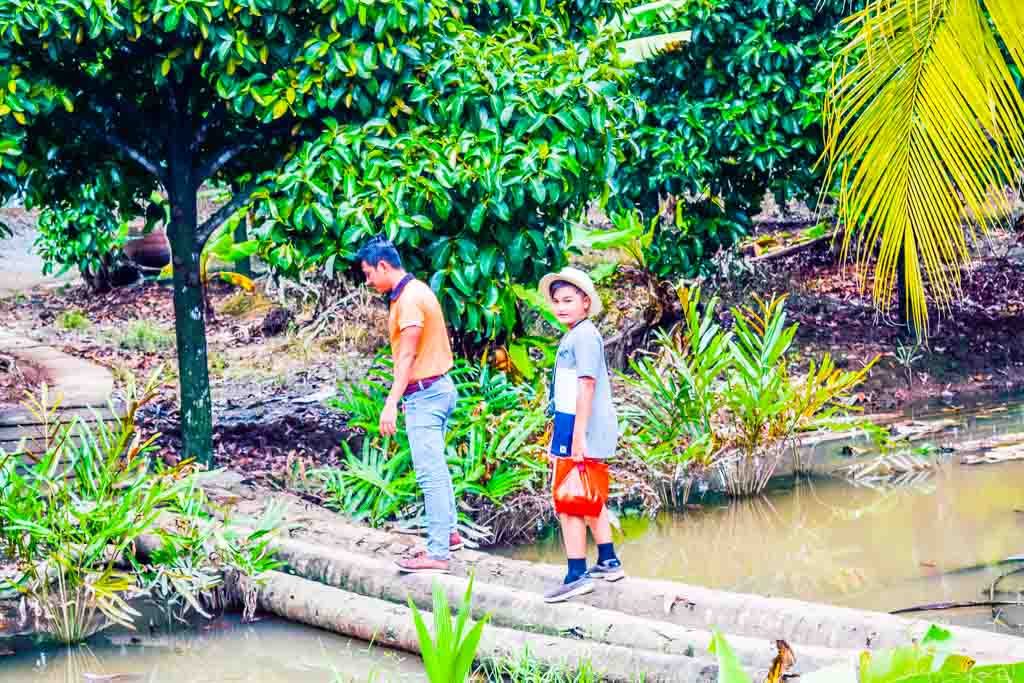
(81, 390)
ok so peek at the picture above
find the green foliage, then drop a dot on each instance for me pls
(84, 233)
(727, 398)
(733, 113)
(629, 235)
(72, 320)
(448, 656)
(146, 337)
(505, 135)
(70, 518)
(492, 446)
(526, 669)
(203, 555)
(930, 661)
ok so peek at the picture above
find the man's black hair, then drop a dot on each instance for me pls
(559, 284)
(379, 249)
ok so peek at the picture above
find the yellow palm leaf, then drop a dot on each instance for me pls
(925, 129)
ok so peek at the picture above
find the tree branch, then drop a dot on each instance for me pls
(214, 118)
(135, 155)
(214, 164)
(210, 225)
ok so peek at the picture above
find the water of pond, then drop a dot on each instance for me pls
(268, 651)
(824, 539)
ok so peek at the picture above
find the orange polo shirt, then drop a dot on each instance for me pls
(416, 306)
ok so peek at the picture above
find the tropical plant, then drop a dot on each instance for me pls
(733, 113)
(70, 520)
(629, 234)
(448, 656)
(728, 399)
(766, 405)
(907, 356)
(199, 560)
(223, 247)
(681, 388)
(924, 126)
(932, 660)
(492, 447)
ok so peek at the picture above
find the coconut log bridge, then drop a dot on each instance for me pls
(340, 577)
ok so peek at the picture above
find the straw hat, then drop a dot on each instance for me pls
(576, 277)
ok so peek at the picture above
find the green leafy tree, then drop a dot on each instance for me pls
(466, 130)
(505, 136)
(732, 113)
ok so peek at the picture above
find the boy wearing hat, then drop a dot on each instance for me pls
(586, 426)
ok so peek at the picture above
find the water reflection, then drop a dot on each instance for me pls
(269, 651)
(874, 547)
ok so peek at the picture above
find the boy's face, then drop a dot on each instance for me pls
(569, 305)
(379, 277)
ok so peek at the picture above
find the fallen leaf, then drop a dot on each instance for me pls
(784, 661)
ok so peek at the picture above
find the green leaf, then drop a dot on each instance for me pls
(729, 669)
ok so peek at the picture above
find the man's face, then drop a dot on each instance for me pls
(378, 277)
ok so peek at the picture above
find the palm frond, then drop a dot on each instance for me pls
(648, 14)
(924, 128)
(642, 49)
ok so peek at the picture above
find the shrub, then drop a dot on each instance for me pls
(146, 337)
(70, 519)
(733, 114)
(448, 655)
(727, 400)
(72, 320)
(493, 446)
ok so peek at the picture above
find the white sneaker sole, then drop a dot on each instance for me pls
(574, 593)
(610, 578)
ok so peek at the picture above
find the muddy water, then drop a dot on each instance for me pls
(268, 651)
(875, 547)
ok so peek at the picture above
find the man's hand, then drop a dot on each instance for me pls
(389, 418)
(579, 447)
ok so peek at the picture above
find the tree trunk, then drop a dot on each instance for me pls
(902, 295)
(527, 611)
(243, 267)
(189, 301)
(390, 625)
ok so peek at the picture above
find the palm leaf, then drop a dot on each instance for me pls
(924, 126)
(642, 49)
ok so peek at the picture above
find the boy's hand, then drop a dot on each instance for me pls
(579, 448)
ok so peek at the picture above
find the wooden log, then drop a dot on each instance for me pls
(528, 612)
(391, 625)
(682, 604)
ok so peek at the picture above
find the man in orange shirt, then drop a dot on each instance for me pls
(423, 358)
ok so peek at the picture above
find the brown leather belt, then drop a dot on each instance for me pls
(422, 384)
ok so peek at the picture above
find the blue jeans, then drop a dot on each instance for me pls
(426, 418)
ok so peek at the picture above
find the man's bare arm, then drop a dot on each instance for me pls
(408, 345)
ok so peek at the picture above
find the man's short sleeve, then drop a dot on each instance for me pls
(410, 311)
(589, 353)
